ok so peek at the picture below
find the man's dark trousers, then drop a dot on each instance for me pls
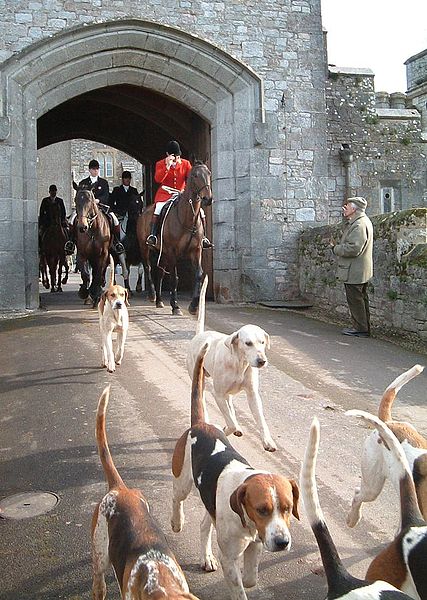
(358, 303)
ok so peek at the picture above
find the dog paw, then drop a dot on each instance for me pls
(118, 361)
(353, 518)
(269, 445)
(111, 369)
(177, 524)
(209, 563)
(250, 582)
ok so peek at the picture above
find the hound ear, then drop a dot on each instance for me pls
(102, 303)
(127, 298)
(295, 494)
(237, 500)
(267, 340)
(231, 339)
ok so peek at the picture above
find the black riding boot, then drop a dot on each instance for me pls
(206, 243)
(70, 245)
(152, 238)
(117, 245)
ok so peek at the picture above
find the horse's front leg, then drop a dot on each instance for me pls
(53, 268)
(125, 271)
(173, 279)
(83, 267)
(194, 304)
(138, 287)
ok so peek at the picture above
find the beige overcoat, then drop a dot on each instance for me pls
(354, 251)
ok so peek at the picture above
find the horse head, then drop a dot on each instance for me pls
(199, 183)
(86, 208)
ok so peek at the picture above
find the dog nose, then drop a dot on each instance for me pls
(261, 361)
(119, 305)
(281, 542)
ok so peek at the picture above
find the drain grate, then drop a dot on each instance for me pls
(27, 504)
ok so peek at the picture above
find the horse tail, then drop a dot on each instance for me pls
(111, 271)
(197, 388)
(112, 475)
(202, 302)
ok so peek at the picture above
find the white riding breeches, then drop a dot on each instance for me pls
(159, 205)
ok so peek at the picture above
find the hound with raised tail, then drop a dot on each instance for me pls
(233, 361)
(376, 459)
(113, 317)
(404, 562)
(341, 585)
(250, 509)
(125, 535)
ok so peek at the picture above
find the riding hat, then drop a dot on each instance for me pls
(53, 188)
(93, 164)
(173, 148)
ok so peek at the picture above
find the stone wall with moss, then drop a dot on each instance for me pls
(398, 290)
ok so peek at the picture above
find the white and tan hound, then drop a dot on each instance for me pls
(113, 317)
(250, 509)
(233, 361)
(341, 585)
(376, 459)
(125, 535)
(403, 563)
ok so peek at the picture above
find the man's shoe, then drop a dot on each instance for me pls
(151, 240)
(69, 247)
(206, 243)
(354, 332)
(119, 248)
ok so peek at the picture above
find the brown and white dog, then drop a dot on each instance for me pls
(376, 459)
(125, 535)
(341, 585)
(113, 317)
(233, 361)
(250, 509)
(403, 563)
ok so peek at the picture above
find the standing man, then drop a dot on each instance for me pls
(171, 174)
(355, 264)
(100, 189)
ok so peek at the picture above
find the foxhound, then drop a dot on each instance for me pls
(403, 562)
(341, 585)
(250, 509)
(233, 361)
(113, 317)
(376, 465)
(126, 535)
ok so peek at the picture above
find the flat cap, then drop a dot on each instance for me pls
(358, 201)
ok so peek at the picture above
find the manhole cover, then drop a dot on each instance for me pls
(27, 504)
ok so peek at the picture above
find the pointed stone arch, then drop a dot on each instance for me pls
(210, 82)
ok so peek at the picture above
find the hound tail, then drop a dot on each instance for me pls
(334, 569)
(197, 389)
(202, 303)
(112, 475)
(112, 269)
(401, 471)
(384, 411)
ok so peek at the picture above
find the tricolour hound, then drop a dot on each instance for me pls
(250, 509)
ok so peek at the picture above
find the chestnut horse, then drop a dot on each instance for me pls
(52, 254)
(181, 234)
(93, 238)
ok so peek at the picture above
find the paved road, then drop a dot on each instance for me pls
(50, 384)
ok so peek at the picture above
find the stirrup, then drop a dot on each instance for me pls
(206, 243)
(151, 240)
(119, 248)
(69, 247)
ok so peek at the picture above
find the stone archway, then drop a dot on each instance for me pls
(210, 83)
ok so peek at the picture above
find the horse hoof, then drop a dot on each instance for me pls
(192, 309)
(83, 292)
(160, 305)
(177, 311)
(138, 289)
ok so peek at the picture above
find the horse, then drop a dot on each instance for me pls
(181, 234)
(93, 240)
(132, 254)
(52, 254)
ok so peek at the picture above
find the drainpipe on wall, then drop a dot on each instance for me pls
(346, 155)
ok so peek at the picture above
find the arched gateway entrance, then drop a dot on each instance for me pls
(133, 85)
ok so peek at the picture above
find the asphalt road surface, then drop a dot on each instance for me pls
(50, 384)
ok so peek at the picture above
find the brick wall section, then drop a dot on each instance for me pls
(386, 141)
(398, 290)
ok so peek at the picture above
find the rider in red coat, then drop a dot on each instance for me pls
(171, 174)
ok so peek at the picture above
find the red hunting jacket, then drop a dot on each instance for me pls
(174, 178)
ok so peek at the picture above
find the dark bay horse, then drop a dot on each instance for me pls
(52, 255)
(181, 234)
(93, 239)
(132, 254)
